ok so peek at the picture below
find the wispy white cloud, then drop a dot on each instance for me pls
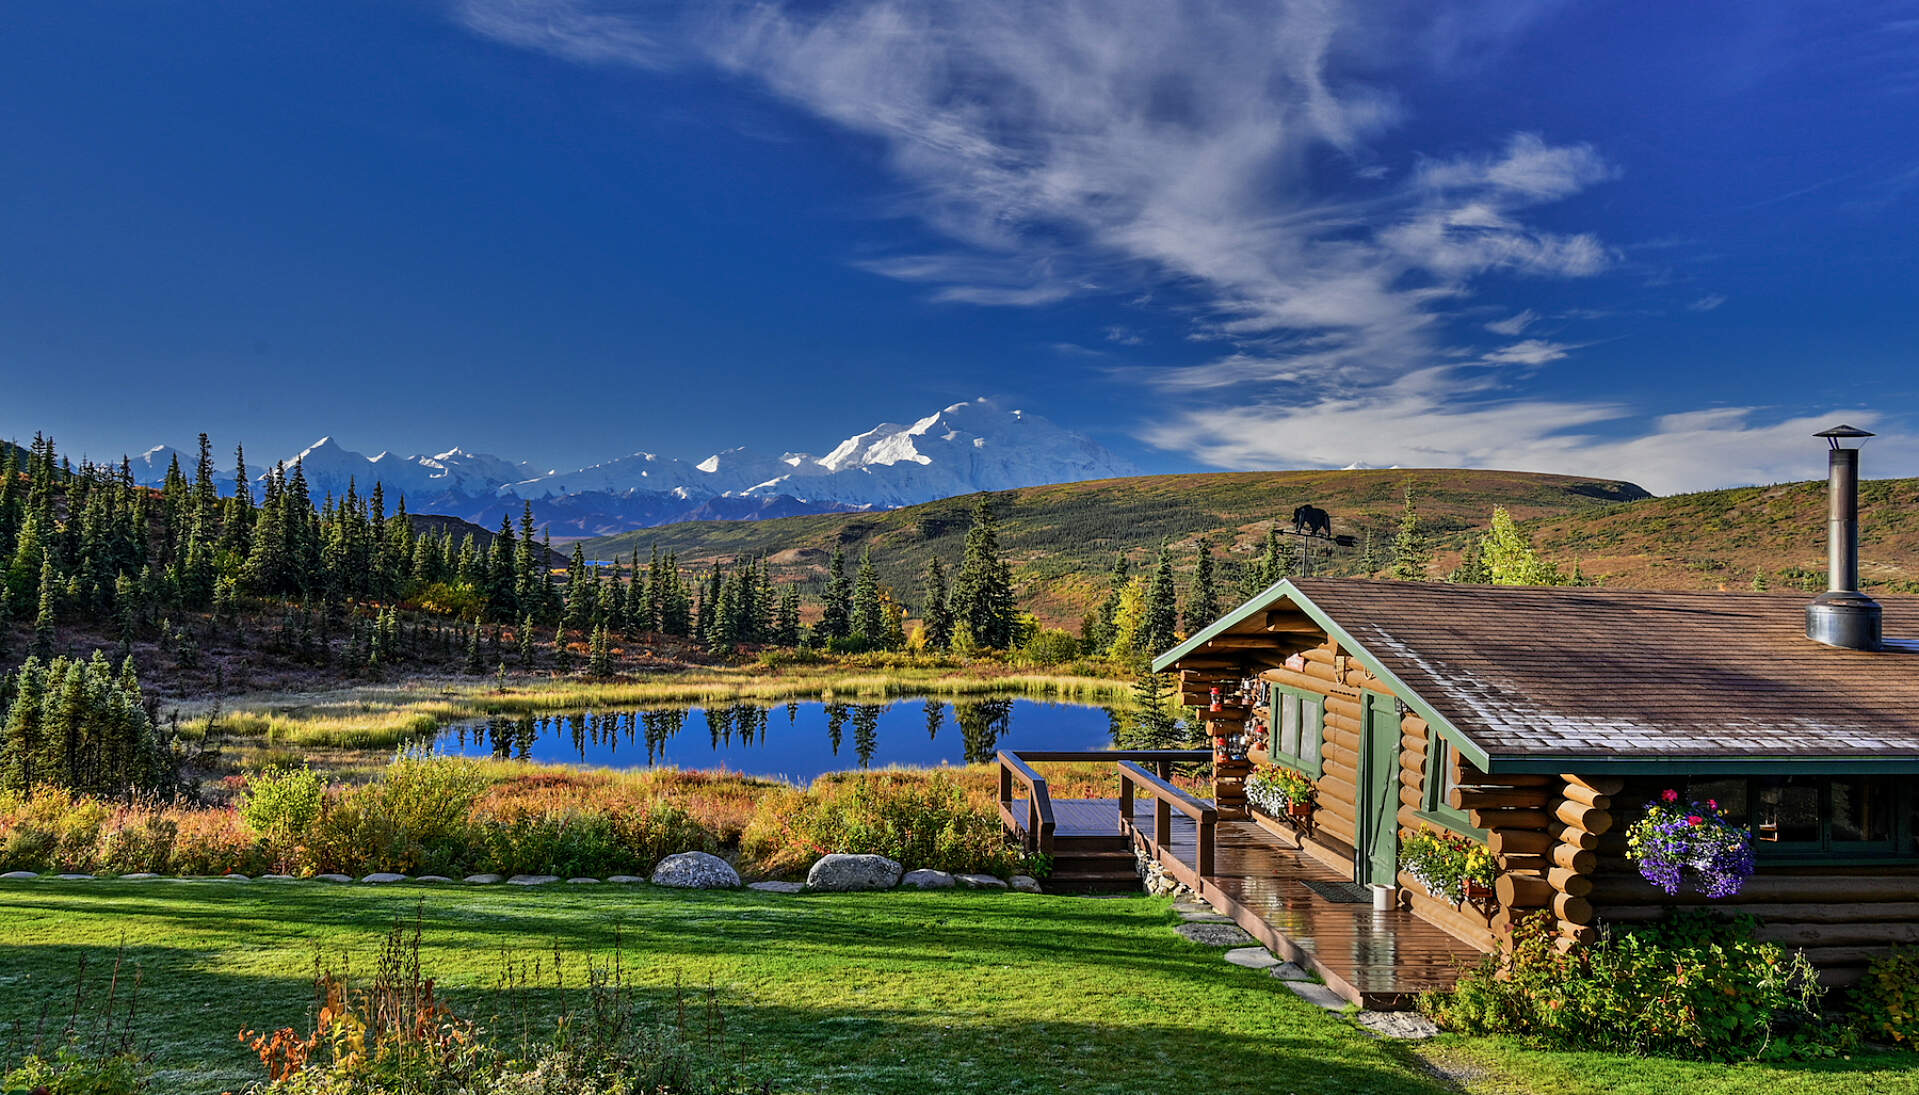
(1513, 325)
(1127, 146)
(1441, 417)
(1707, 303)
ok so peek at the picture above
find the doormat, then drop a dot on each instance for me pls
(1343, 893)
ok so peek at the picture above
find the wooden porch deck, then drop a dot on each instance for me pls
(1379, 959)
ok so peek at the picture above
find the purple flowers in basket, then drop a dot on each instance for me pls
(1694, 844)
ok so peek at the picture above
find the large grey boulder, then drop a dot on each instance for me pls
(481, 879)
(981, 881)
(532, 879)
(19, 876)
(382, 878)
(843, 873)
(696, 871)
(927, 879)
(1025, 883)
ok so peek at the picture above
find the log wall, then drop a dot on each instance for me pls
(1842, 917)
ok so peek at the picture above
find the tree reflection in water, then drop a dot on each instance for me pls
(982, 723)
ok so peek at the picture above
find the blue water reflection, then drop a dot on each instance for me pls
(795, 741)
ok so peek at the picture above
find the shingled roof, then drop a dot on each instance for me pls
(1532, 677)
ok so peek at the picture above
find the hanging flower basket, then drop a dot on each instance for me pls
(1692, 845)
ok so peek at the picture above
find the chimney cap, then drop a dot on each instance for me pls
(1846, 433)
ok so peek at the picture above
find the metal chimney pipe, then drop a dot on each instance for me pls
(1842, 616)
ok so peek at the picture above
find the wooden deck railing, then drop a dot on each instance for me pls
(1035, 825)
(1167, 798)
(1037, 832)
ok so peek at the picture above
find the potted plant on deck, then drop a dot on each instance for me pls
(1449, 866)
(1282, 793)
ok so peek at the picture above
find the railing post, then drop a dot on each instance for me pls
(1005, 783)
(1203, 852)
(1125, 800)
(1162, 822)
(1165, 769)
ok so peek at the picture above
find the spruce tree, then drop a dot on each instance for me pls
(1472, 569)
(983, 589)
(936, 610)
(562, 658)
(1159, 629)
(869, 616)
(1510, 558)
(1202, 607)
(526, 642)
(599, 662)
(44, 619)
(1412, 552)
(837, 620)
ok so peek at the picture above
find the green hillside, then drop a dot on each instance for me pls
(1720, 539)
(1062, 539)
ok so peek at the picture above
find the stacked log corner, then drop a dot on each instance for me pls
(1229, 773)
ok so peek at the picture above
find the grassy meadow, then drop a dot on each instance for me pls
(955, 992)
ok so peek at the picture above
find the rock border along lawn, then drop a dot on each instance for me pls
(878, 870)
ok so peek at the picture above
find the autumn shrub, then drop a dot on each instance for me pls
(921, 819)
(215, 841)
(281, 804)
(1885, 1002)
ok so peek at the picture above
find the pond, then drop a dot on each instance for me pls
(795, 741)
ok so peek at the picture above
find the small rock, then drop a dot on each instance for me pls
(482, 879)
(84, 877)
(19, 876)
(333, 878)
(927, 879)
(1026, 883)
(276, 878)
(1315, 993)
(696, 871)
(235, 876)
(980, 881)
(1407, 1025)
(1215, 935)
(583, 881)
(843, 873)
(432, 878)
(625, 879)
(1289, 971)
(1254, 958)
(777, 887)
(532, 879)
(383, 877)
(138, 876)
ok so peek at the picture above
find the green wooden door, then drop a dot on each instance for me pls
(1376, 860)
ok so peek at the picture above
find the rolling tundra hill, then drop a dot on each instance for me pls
(1062, 539)
(1721, 539)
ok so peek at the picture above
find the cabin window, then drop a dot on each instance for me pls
(1442, 761)
(1298, 724)
(1816, 815)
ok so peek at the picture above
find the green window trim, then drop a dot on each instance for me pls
(1897, 808)
(1434, 789)
(1309, 710)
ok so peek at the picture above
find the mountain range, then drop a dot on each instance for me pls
(970, 446)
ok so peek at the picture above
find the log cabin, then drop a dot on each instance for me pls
(1540, 722)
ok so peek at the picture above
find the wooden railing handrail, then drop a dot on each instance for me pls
(1046, 756)
(1039, 802)
(1179, 800)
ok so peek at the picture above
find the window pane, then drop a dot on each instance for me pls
(1289, 725)
(1786, 809)
(1861, 809)
(1310, 730)
(1730, 794)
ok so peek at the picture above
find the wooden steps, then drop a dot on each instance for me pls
(1102, 864)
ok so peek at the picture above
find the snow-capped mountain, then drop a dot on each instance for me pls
(971, 446)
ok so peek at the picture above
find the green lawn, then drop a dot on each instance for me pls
(906, 992)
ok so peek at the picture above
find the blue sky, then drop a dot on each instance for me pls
(1662, 243)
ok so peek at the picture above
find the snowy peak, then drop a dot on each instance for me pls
(970, 446)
